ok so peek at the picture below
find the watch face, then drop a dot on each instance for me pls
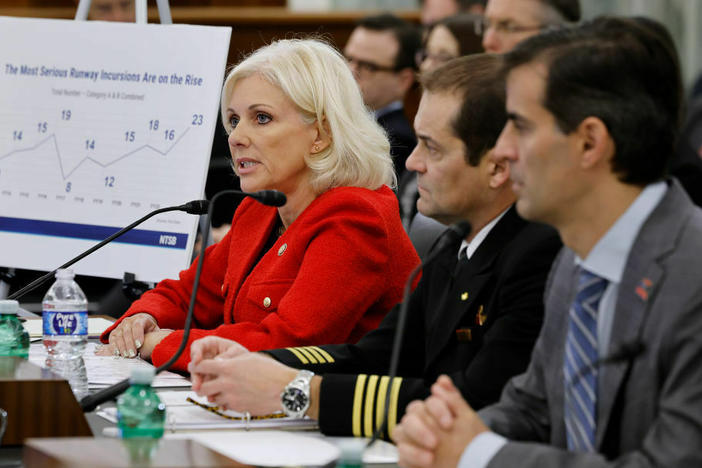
(294, 399)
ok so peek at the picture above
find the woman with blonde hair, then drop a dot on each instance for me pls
(324, 268)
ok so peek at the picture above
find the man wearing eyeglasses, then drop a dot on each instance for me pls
(381, 53)
(508, 22)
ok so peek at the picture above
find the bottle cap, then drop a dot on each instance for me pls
(64, 273)
(8, 307)
(351, 451)
(142, 375)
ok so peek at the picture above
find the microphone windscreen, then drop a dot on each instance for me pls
(461, 229)
(270, 197)
(196, 207)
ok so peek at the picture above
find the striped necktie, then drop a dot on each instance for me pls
(579, 368)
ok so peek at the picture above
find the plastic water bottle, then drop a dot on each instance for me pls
(65, 318)
(140, 412)
(14, 339)
(73, 370)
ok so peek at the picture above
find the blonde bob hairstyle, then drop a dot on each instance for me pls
(316, 78)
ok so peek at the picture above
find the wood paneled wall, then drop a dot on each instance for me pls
(253, 26)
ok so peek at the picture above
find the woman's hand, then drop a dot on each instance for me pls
(152, 339)
(128, 337)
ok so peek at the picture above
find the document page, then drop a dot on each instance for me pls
(107, 370)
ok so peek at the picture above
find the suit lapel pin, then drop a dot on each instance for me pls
(464, 296)
(644, 288)
(481, 317)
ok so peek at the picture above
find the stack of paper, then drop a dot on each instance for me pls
(103, 371)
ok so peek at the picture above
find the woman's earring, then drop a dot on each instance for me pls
(316, 148)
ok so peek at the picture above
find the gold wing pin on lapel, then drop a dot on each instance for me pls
(481, 317)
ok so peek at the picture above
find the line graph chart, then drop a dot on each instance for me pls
(96, 133)
(95, 155)
(66, 174)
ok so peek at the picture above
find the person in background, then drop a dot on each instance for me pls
(324, 268)
(508, 22)
(477, 309)
(432, 11)
(449, 38)
(615, 378)
(381, 54)
(112, 10)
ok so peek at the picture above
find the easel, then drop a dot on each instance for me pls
(54, 410)
(164, 11)
(132, 289)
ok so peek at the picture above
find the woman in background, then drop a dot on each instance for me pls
(324, 268)
(449, 38)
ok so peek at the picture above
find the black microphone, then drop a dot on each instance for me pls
(449, 237)
(193, 207)
(267, 197)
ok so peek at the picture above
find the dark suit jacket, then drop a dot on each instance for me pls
(649, 412)
(479, 327)
(402, 139)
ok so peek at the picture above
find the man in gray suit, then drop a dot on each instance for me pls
(616, 375)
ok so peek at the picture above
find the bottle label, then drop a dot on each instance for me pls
(65, 323)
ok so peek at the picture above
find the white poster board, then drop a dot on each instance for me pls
(101, 123)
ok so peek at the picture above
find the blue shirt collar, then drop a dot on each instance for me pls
(608, 258)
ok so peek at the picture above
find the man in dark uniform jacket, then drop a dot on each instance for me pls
(475, 313)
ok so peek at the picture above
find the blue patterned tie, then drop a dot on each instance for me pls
(580, 374)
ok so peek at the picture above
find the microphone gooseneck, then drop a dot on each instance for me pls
(627, 351)
(453, 233)
(267, 197)
(193, 207)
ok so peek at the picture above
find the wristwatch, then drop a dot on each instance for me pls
(296, 395)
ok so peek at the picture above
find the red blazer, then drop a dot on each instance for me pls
(331, 277)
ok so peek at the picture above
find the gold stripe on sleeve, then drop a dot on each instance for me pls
(320, 359)
(308, 355)
(380, 405)
(368, 410)
(357, 399)
(298, 354)
(324, 354)
(394, 397)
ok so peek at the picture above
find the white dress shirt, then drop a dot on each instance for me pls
(472, 246)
